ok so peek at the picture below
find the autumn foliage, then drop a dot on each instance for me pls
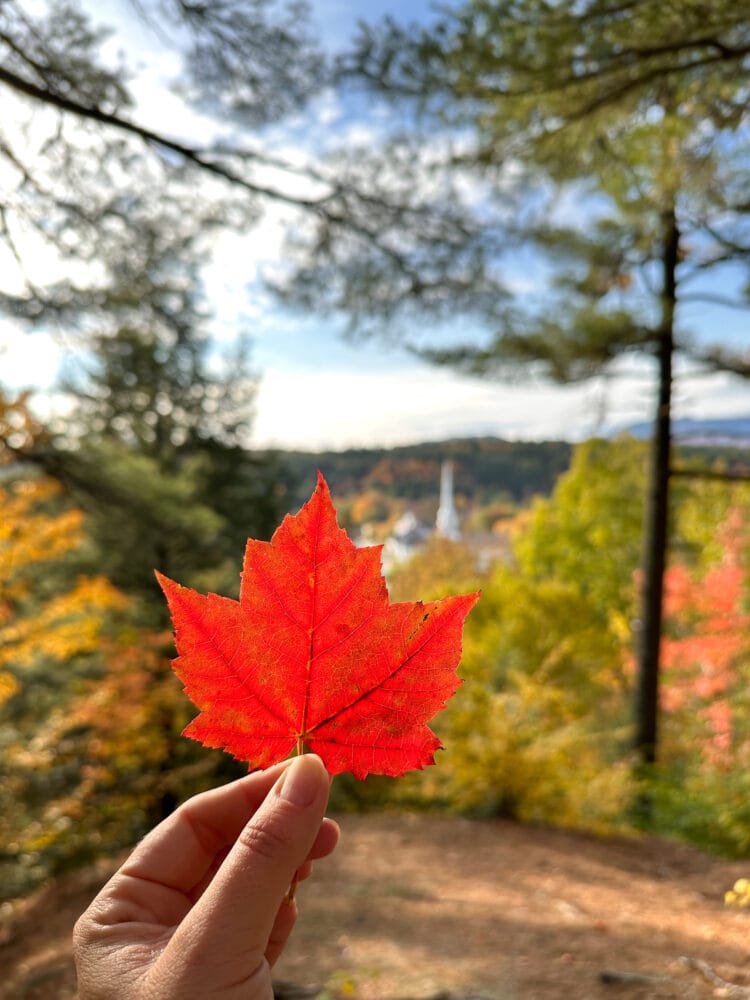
(63, 624)
(91, 712)
(706, 646)
(89, 709)
(542, 730)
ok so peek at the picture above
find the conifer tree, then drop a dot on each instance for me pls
(81, 171)
(155, 449)
(86, 162)
(607, 139)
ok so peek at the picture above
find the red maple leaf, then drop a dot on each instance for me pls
(313, 656)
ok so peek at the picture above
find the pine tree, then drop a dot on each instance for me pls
(82, 173)
(155, 450)
(607, 140)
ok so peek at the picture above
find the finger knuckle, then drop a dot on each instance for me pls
(263, 839)
(81, 933)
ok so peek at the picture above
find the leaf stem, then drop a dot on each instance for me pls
(290, 893)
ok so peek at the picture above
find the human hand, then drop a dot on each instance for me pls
(200, 908)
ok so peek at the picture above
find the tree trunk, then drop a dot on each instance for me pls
(657, 511)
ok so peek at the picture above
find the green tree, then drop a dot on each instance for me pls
(104, 230)
(154, 450)
(81, 173)
(606, 139)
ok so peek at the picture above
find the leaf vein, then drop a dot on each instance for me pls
(364, 695)
(343, 599)
(228, 662)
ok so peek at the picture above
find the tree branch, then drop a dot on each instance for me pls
(716, 300)
(621, 63)
(715, 475)
(717, 360)
(189, 153)
(620, 87)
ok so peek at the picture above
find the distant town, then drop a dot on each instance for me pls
(467, 490)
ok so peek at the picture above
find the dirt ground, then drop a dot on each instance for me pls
(412, 906)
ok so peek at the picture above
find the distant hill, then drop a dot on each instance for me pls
(485, 469)
(489, 469)
(719, 432)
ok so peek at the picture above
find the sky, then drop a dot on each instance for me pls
(317, 390)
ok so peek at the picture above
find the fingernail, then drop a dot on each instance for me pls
(301, 781)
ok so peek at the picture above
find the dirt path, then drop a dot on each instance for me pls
(413, 905)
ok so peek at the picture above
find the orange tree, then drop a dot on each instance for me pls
(704, 791)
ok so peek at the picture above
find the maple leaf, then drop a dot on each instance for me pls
(313, 656)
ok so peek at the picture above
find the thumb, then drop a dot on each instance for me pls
(223, 939)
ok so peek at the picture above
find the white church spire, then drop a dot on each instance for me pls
(446, 524)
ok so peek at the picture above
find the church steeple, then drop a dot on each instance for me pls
(446, 523)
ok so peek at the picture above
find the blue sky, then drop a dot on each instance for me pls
(318, 390)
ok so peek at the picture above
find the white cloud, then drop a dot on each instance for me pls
(28, 360)
(327, 108)
(712, 396)
(340, 409)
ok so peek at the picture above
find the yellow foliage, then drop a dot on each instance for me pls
(539, 728)
(65, 626)
(29, 536)
(34, 535)
(8, 686)
(520, 752)
(739, 895)
(442, 566)
(88, 745)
